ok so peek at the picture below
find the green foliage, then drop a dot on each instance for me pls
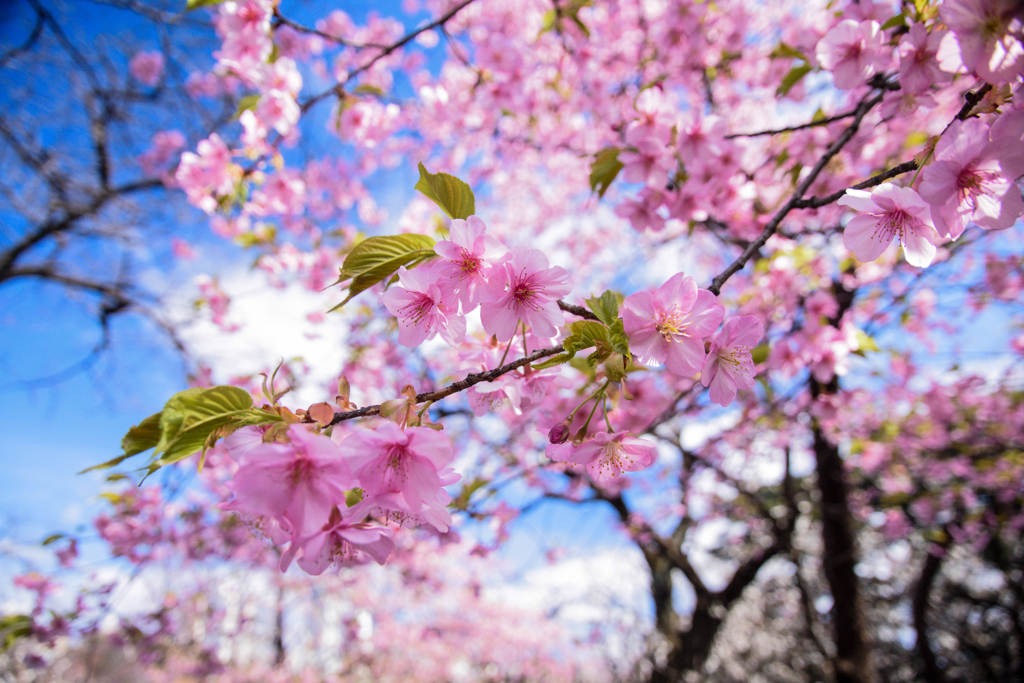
(13, 627)
(377, 258)
(794, 76)
(603, 169)
(453, 195)
(196, 4)
(584, 334)
(246, 103)
(605, 307)
(191, 421)
(553, 17)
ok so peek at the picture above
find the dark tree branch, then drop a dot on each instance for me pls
(456, 387)
(339, 89)
(932, 564)
(37, 30)
(862, 110)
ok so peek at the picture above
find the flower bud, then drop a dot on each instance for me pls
(559, 434)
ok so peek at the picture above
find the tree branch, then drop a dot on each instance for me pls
(456, 387)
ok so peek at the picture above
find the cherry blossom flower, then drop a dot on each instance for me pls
(669, 324)
(606, 456)
(971, 179)
(987, 32)
(467, 260)
(851, 51)
(886, 212)
(729, 365)
(919, 68)
(296, 484)
(147, 67)
(421, 310)
(389, 459)
(529, 292)
(345, 539)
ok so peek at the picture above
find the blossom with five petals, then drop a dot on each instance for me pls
(529, 291)
(729, 365)
(669, 324)
(888, 212)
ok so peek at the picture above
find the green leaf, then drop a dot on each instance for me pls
(583, 335)
(603, 169)
(246, 103)
(866, 342)
(617, 337)
(196, 4)
(13, 627)
(759, 353)
(784, 51)
(51, 539)
(377, 258)
(190, 416)
(898, 20)
(454, 196)
(142, 436)
(605, 307)
(792, 78)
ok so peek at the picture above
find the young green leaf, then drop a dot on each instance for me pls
(792, 78)
(453, 195)
(605, 307)
(377, 258)
(603, 169)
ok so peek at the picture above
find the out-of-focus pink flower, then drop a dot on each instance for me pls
(919, 68)
(296, 484)
(208, 174)
(165, 144)
(345, 539)
(885, 213)
(390, 460)
(182, 249)
(147, 67)
(606, 456)
(851, 51)
(971, 179)
(468, 261)
(421, 310)
(729, 365)
(669, 324)
(529, 291)
(988, 33)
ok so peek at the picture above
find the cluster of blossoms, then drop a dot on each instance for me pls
(970, 174)
(321, 495)
(971, 180)
(509, 285)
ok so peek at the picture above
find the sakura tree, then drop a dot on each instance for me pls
(650, 266)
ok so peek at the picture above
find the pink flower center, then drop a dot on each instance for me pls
(524, 293)
(896, 223)
(673, 325)
(417, 309)
(971, 182)
(468, 263)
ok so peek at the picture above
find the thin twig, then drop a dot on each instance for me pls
(455, 387)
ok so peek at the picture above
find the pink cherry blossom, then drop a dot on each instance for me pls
(390, 460)
(421, 310)
(971, 179)
(669, 324)
(851, 52)
(885, 213)
(297, 483)
(919, 68)
(529, 291)
(606, 456)
(345, 539)
(147, 67)
(729, 366)
(988, 33)
(467, 261)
